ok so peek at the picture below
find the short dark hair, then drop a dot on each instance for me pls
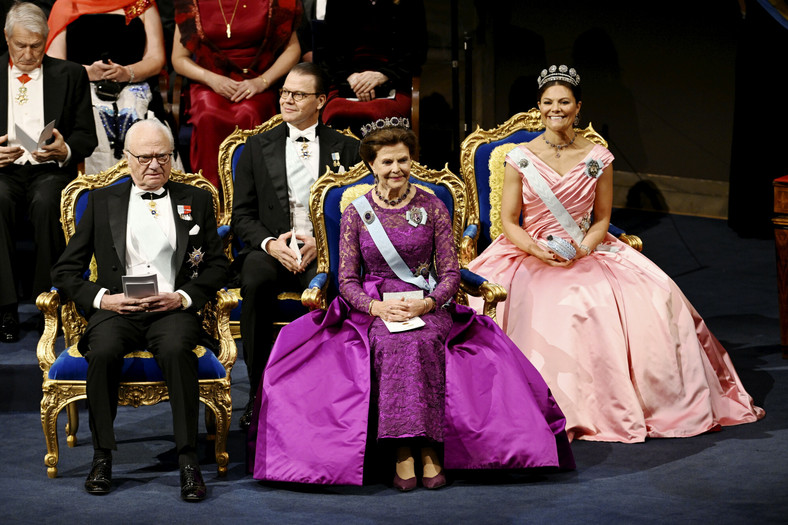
(576, 91)
(391, 136)
(316, 72)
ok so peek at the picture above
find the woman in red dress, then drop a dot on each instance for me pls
(372, 51)
(235, 52)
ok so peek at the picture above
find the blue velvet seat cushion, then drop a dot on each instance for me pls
(137, 366)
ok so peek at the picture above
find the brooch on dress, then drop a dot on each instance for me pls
(523, 163)
(585, 223)
(416, 216)
(422, 270)
(369, 217)
(593, 168)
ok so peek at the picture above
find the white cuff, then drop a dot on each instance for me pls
(97, 299)
(265, 241)
(188, 299)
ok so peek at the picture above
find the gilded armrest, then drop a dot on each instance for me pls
(468, 248)
(315, 295)
(217, 323)
(48, 303)
(477, 286)
(632, 240)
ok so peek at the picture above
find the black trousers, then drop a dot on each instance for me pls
(170, 337)
(38, 189)
(262, 279)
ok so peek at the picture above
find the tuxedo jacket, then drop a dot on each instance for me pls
(102, 231)
(66, 101)
(261, 206)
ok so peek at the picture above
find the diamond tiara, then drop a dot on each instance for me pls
(562, 73)
(388, 122)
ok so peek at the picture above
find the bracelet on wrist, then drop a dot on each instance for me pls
(131, 74)
(369, 308)
(585, 249)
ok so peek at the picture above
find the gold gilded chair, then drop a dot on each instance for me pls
(64, 375)
(482, 156)
(332, 193)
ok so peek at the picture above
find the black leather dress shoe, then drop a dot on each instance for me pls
(9, 326)
(192, 484)
(100, 478)
(246, 418)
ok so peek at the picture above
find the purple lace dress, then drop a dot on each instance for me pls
(458, 380)
(409, 366)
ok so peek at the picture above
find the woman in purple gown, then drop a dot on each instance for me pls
(456, 381)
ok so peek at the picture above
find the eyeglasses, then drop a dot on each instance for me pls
(161, 158)
(298, 96)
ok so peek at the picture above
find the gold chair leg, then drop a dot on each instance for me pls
(217, 399)
(72, 425)
(49, 413)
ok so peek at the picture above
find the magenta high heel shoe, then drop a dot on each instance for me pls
(404, 485)
(435, 482)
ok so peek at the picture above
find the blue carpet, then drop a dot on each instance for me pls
(734, 476)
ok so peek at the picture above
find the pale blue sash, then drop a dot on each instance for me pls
(387, 250)
(543, 191)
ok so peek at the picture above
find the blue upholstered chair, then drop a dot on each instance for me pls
(142, 382)
(332, 193)
(482, 156)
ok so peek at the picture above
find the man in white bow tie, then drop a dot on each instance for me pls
(146, 226)
(36, 90)
(271, 206)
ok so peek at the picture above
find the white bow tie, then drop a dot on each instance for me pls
(16, 73)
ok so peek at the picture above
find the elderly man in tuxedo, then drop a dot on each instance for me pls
(146, 226)
(34, 91)
(271, 206)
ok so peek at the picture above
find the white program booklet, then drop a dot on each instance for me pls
(139, 286)
(410, 324)
(29, 143)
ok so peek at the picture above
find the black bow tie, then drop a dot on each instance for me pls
(152, 196)
(302, 139)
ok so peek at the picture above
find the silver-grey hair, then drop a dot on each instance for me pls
(149, 124)
(28, 16)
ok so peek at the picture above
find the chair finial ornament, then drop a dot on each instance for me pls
(388, 122)
(562, 73)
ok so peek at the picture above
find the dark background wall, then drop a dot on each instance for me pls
(657, 77)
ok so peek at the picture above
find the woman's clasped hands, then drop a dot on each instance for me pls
(237, 90)
(399, 310)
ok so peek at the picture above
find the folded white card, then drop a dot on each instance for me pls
(28, 142)
(410, 324)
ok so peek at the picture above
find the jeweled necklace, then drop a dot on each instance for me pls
(221, 9)
(559, 147)
(393, 202)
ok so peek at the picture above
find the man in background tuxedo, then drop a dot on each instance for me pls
(141, 227)
(271, 205)
(34, 91)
